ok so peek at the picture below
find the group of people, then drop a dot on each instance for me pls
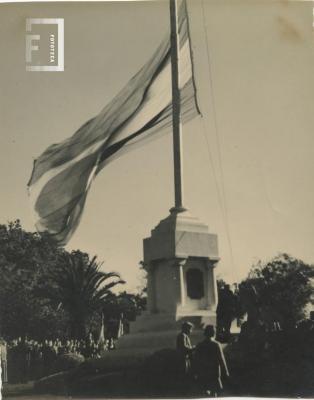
(204, 362)
(27, 359)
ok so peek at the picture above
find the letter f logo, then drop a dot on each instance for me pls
(29, 41)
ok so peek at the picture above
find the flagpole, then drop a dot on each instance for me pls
(176, 108)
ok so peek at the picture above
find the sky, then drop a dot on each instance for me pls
(248, 161)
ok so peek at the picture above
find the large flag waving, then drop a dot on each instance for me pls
(62, 175)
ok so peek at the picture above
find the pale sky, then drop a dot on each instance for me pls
(248, 163)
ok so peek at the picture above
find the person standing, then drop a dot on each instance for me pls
(23, 360)
(185, 348)
(4, 364)
(210, 364)
(226, 312)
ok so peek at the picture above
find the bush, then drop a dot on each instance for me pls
(161, 372)
(278, 291)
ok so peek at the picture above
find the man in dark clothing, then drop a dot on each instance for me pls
(23, 360)
(185, 351)
(210, 364)
(225, 312)
(184, 347)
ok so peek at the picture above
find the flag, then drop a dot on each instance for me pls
(120, 331)
(101, 338)
(63, 173)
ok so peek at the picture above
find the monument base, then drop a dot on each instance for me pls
(155, 332)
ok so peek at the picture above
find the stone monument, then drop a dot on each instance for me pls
(180, 258)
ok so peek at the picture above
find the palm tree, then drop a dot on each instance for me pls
(81, 289)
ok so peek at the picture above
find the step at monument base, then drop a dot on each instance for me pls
(159, 331)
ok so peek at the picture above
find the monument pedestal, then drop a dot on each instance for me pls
(179, 257)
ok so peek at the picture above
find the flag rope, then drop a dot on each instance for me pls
(221, 192)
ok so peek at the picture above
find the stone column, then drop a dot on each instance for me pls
(179, 265)
(211, 285)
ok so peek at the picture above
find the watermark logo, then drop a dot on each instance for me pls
(44, 44)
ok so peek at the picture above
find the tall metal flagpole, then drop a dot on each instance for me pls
(176, 108)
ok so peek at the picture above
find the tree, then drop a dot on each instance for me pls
(81, 289)
(278, 291)
(25, 259)
(32, 269)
